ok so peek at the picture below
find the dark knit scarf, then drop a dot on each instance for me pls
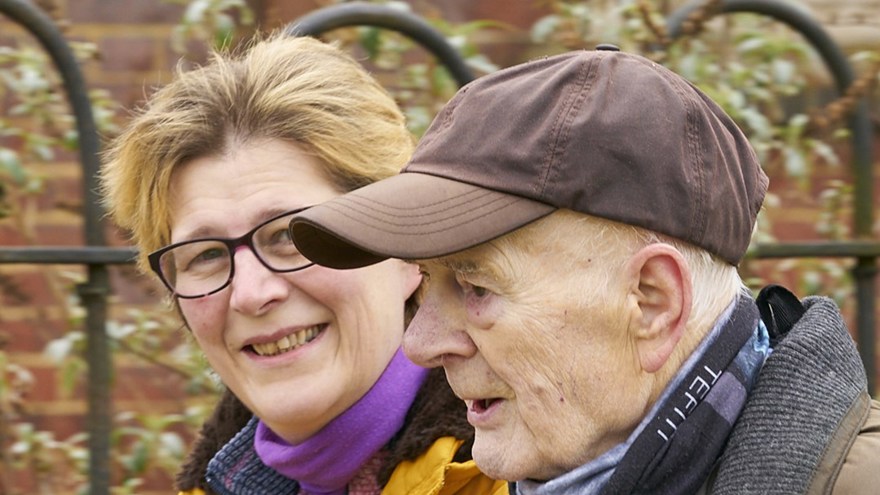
(677, 449)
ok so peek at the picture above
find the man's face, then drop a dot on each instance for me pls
(534, 337)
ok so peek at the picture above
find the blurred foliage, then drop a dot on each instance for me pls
(763, 74)
(419, 83)
(37, 127)
(210, 23)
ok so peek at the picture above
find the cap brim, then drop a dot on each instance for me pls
(408, 216)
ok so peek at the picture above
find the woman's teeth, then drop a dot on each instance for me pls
(287, 343)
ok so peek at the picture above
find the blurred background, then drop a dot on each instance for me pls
(152, 390)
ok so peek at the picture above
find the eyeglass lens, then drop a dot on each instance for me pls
(201, 267)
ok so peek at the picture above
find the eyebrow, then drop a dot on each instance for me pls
(461, 265)
(210, 232)
(467, 265)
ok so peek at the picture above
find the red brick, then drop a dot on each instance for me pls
(123, 11)
(147, 383)
(60, 235)
(29, 288)
(131, 94)
(133, 287)
(63, 193)
(62, 426)
(121, 54)
(45, 387)
(9, 235)
(519, 14)
(278, 13)
(29, 335)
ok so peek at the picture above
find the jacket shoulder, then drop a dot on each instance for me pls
(860, 469)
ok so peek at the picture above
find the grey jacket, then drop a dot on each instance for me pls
(809, 426)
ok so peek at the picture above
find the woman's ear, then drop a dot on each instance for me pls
(663, 294)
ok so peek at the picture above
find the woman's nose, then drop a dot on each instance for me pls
(254, 287)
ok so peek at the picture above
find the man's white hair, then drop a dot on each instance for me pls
(579, 239)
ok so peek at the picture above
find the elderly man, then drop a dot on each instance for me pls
(578, 220)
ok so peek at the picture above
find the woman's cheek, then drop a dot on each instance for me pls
(201, 315)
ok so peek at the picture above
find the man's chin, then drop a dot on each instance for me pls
(498, 460)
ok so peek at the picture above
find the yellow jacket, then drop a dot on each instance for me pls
(434, 473)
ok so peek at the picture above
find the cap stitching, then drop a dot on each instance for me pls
(569, 110)
(369, 205)
(342, 209)
(452, 106)
(698, 217)
(478, 193)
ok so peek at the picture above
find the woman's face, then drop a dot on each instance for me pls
(351, 321)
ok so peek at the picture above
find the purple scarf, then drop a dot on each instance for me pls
(325, 463)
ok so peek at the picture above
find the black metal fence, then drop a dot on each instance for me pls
(97, 256)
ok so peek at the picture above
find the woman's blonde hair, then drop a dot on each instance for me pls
(298, 90)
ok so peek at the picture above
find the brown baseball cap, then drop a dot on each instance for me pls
(602, 132)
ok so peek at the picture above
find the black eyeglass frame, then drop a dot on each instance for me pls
(231, 245)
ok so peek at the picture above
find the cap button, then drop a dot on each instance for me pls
(607, 47)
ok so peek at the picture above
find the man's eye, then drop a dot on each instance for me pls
(469, 288)
(479, 291)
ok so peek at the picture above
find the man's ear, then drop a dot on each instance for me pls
(662, 292)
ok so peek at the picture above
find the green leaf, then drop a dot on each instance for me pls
(758, 122)
(795, 164)
(752, 44)
(172, 444)
(544, 28)
(58, 349)
(195, 12)
(783, 70)
(824, 151)
(481, 63)
(370, 39)
(11, 163)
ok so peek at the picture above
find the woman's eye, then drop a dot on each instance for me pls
(281, 236)
(203, 259)
(209, 255)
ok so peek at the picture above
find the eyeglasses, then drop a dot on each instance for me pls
(201, 267)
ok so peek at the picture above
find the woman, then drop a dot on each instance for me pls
(207, 177)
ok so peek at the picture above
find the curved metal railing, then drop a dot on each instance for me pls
(367, 14)
(93, 292)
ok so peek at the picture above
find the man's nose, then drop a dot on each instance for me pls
(436, 333)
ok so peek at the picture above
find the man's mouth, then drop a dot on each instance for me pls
(481, 405)
(288, 342)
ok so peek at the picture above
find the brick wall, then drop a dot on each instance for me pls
(133, 37)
